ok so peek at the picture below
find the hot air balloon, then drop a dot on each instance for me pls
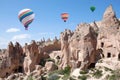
(26, 16)
(64, 16)
(92, 8)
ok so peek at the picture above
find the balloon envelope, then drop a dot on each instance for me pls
(64, 16)
(92, 8)
(26, 16)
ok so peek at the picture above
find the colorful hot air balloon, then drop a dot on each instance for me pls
(26, 16)
(92, 8)
(64, 16)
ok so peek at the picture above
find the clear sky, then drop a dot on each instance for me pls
(48, 22)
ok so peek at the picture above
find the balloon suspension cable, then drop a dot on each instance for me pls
(26, 28)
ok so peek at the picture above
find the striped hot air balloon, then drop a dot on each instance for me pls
(64, 16)
(26, 16)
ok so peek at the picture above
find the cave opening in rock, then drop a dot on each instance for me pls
(58, 57)
(7, 74)
(108, 55)
(102, 44)
(15, 71)
(117, 27)
(19, 70)
(92, 65)
(42, 62)
(78, 64)
(119, 56)
(100, 54)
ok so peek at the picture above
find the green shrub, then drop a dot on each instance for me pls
(92, 69)
(83, 72)
(56, 71)
(66, 77)
(42, 62)
(43, 77)
(83, 77)
(97, 73)
(108, 69)
(112, 77)
(66, 70)
(115, 75)
(30, 78)
(100, 61)
(50, 59)
(53, 77)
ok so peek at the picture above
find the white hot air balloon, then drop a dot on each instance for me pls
(26, 16)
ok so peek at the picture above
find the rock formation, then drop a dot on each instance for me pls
(18, 59)
(50, 66)
(109, 18)
(65, 58)
(35, 54)
(12, 60)
(31, 52)
(108, 40)
(79, 48)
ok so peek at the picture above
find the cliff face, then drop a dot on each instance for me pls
(11, 59)
(109, 18)
(109, 32)
(81, 49)
(17, 59)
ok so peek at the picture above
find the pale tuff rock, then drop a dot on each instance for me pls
(18, 59)
(109, 32)
(109, 18)
(109, 13)
(65, 37)
(83, 45)
(50, 66)
(56, 55)
(31, 57)
(78, 48)
(35, 54)
(12, 60)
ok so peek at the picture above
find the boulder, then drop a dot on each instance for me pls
(50, 66)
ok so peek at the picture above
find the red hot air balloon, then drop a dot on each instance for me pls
(64, 16)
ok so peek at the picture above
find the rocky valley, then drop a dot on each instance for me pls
(91, 52)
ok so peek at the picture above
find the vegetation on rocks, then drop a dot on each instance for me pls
(83, 77)
(55, 74)
(115, 75)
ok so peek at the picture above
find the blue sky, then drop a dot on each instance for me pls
(48, 22)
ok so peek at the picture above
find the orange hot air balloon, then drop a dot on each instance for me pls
(64, 16)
